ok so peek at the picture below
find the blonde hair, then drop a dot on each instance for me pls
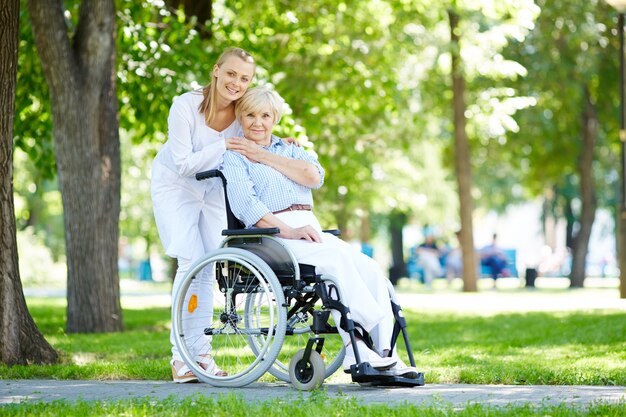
(207, 107)
(256, 99)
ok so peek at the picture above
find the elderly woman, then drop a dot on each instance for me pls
(262, 196)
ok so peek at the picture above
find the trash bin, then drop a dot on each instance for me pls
(396, 272)
(367, 249)
(145, 270)
(531, 275)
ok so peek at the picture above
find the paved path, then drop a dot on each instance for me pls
(459, 395)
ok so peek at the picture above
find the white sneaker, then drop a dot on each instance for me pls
(401, 369)
(367, 355)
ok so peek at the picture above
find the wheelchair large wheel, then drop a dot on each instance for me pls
(299, 332)
(210, 311)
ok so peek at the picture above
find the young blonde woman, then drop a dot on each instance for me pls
(190, 215)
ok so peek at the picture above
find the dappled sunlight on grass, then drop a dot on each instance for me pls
(83, 358)
(532, 348)
(570, 364)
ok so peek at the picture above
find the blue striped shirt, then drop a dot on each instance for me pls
(255, 190)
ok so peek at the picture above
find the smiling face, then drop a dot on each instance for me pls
(258, 111)
(233, 77)
(257, 124)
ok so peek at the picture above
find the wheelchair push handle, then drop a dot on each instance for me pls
(235, 227)
(232, 221)
(212, 173)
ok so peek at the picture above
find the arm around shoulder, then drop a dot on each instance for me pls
(298, 170)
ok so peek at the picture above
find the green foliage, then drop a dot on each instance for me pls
(33, 117)
(38, 206)
(160, 55)
(136, 217)
(572, 47)
(334, 63)
(485, 28)
(37, 200)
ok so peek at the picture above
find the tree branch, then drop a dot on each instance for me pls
(94, 39)
(53, 45)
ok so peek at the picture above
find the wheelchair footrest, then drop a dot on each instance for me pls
(363, 373)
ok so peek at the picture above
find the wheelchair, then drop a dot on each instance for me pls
(265, 312)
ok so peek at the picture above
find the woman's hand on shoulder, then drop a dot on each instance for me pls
(292, 140)
(307, 233)
(245, 147)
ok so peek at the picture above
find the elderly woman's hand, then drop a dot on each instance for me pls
(247, 148)
(305, 233)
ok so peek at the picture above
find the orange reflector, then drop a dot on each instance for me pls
(193, 303)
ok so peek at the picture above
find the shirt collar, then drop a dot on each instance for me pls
(275, 141)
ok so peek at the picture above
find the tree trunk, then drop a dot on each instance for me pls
(549, 219)
(621, 241)
(81, 78)
(587, 193)
(397, 221)
(570, 222)
(22, 342)
(365, 227)
(462, 161)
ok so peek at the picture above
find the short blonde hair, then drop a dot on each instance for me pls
(257, 99)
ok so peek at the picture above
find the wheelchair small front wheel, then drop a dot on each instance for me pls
(304, 374)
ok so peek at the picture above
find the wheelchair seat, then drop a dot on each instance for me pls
(275, 255)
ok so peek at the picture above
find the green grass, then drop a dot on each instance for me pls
(318, 404)
(142, 351)
(563, 348)
(573, 348)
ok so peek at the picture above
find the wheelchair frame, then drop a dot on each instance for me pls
(267, 295)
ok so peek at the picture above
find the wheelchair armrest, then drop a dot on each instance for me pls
(335, 232)
(246, 232)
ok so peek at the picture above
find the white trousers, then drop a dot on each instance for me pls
(363, 283)
(190, 216)
(195, 319)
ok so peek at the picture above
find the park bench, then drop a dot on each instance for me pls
(511, 265)
(415, 271)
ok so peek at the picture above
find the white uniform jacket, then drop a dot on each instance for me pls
(189, 214)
